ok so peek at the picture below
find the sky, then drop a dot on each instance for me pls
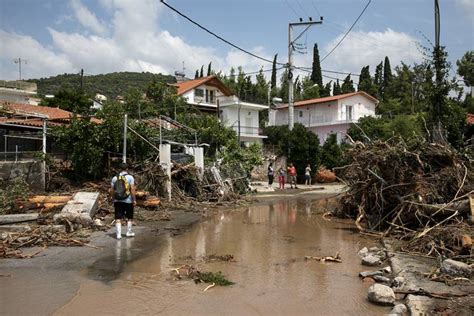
(102, 36)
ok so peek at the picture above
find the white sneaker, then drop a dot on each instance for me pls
(119, 236)
(130, 234)
(118, 230)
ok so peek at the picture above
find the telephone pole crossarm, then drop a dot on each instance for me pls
(290, 65)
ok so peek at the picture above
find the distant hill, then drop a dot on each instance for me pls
(110, 85)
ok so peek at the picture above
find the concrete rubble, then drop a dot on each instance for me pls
(80, 210)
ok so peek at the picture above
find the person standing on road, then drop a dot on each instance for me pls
(292, 174)
(270, 174)
(307, 175)
(123, 193)
(281, 178)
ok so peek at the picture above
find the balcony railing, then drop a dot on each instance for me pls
(248, 130)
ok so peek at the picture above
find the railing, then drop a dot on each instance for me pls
(247, 130)
(20, 156)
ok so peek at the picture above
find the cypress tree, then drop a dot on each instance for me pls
(273, 81)
(197, 74)
(316, 75)
(202, 72)
(336, 90)
(387, 78)
(209, 69)
(365, 80)
(326, 91)
(378, 79)
(347, 85)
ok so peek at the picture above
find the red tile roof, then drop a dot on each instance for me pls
(330, 99)
(185, 86)
(56, 116)
(470, 119)
(32, 110)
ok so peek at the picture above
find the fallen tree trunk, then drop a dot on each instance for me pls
(50, 199)
(153, 202)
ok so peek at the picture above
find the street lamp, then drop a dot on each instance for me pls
(19, 61)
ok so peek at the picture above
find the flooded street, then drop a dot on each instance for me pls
(269, 243)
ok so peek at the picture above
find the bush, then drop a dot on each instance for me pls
(16, 190)
(331, 153)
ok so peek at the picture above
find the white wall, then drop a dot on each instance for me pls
(248, 118)
(16, 96)
(190, 95)
(327, 113)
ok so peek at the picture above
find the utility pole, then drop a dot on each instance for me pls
(291, 118)
(125, 125)
(19, 61)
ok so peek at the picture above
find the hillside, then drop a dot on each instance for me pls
(110, 85)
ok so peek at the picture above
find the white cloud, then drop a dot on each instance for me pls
(468, 8)
(40, 60)
(87, 18)
(135, 42)
(370, 48)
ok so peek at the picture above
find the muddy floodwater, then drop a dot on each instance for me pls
(269, 243)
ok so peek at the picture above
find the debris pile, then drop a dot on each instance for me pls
(412, 189)
(324, 175)
(11, 243)
(197, 276)
(187, 182)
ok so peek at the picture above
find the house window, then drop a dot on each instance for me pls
(211, 96)
(301, 113)
(199, 93)
(349, 114)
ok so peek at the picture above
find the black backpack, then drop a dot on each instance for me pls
(121, 188)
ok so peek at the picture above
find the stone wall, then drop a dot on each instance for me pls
(260, 173)
(33, 171)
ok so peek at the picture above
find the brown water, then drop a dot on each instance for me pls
(269, 243)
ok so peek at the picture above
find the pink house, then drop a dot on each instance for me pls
(324, 116)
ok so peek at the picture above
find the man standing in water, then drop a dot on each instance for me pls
(292, 174)
(123, 193)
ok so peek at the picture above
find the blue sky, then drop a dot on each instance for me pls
(63, 36)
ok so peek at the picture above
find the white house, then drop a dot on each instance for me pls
(324, 116)
(21, 92)
(210, 95)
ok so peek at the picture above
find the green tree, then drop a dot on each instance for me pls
(70, 100)
(201, 74)
(316, 75)
(378, 80)
(164, 99)
(273, 82)
(336, 89)
(331, 152)
(326, 90)
(284, 86)
(209, 69)
(365, 81)
(387, 78)
(466, 68)
(196, 75)
(347, 85)
(310, 90)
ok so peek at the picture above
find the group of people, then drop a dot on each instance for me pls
(291, 170)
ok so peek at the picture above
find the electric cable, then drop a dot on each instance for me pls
(217, 36)
(348, 31)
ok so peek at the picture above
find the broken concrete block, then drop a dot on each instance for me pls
(371, 260)
(79, 210)
(456, 268)
(381, 294)
(18, 218)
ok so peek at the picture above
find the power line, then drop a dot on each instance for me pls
(292, 9)
(217, 36)
(348, 31)
(315, 8)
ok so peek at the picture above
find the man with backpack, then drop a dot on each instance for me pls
(123, 194)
